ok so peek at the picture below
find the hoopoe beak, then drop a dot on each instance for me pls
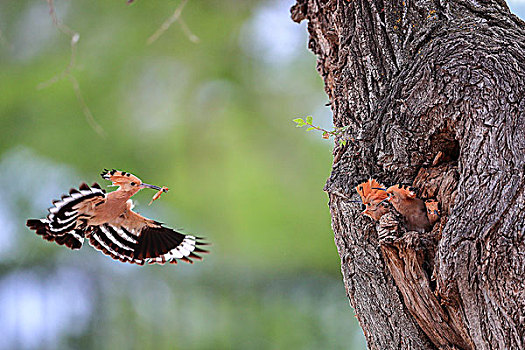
(143, 185)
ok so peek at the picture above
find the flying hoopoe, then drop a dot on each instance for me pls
(112, 227)
(373, 198)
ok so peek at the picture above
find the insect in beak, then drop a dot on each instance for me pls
(160, 190)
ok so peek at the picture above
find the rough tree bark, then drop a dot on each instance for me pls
(434, 92)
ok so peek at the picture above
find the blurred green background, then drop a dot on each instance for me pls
(209, 119)
(212, 120)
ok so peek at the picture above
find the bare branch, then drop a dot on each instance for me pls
(166, 25)
(192, 37)
(66, 73)
(85, 109)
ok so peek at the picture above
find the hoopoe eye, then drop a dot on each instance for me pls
(133, 184)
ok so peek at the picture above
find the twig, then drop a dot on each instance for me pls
(335, 132)
(166, 25)
(192, 37)
(66, 73)
(62, 27)
(85, 109)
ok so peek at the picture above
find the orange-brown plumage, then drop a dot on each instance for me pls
(404, 200)
(111, 225)
(433, 212)
(373, 196)
(419, 216)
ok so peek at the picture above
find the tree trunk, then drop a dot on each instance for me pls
(434, 94)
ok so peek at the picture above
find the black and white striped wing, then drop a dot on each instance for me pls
(72, 239)
(150, 245)
(63, 224)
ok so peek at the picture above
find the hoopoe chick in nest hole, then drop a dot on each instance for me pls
(404, 200)
(433, 212)
(112, 227)
(373, 198)
(420, 216)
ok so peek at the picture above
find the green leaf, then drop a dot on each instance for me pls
(342, 142)
(300, 122)
(310, 128)
(309, 119)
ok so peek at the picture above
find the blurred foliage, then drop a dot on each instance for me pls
(210, 120)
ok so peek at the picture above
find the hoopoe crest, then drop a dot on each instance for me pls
(373, 198)
(110, 225)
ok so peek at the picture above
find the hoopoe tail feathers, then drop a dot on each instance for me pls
(371, 191)
(39, 225)
(151, 245)
(60, 224)
(73, 239)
